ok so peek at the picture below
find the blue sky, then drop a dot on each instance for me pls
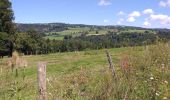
(143, 13)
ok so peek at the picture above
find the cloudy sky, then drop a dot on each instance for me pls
(143, 13)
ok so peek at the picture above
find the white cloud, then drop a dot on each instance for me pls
(164, 3)
(104, 3)
(163, 19)
(121, 13)
(146, 23)
(105, 21)
(148, 11)
(131, 19)
(158, 17)
(120, 21)
(135, 14)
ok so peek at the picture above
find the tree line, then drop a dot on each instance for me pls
(34, 43)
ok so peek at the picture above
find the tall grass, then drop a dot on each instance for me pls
(141, 75)
(145, 76)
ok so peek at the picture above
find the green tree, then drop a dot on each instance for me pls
(3, 41)
(7, 27)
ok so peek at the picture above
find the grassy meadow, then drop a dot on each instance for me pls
(77, 32)
(143, 73)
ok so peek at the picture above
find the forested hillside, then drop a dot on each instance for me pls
(49, 38)
(73, 37)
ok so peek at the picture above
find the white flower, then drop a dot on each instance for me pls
(157, 94)
(49, 93)
(151, 78)
(166, 82)
(165, 98)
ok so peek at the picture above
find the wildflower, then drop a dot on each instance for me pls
(165, 98)
(157, 94)
(151, 78)
(166, 82)
(49, 93)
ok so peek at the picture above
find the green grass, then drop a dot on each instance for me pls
(71, 31)
(55, 37)
(85, 75)
(58, 65)
(136, 31)
(76, 32)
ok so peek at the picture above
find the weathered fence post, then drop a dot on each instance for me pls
(42, 80)
(111, 66)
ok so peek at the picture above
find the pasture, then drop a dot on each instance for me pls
(85, 75)
(74, 32)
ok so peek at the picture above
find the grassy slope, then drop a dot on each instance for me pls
(71, 31)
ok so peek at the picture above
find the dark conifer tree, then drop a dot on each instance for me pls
(7, 28)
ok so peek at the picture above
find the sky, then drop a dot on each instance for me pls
(142, 13)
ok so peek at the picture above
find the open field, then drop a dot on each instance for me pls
(78, 31)
(56, 37)
(85, 75)
(60, 66)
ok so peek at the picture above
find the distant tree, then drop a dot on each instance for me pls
(97, 32)
(34, 34)
(35, 41)
(66, 37)
(23, 42)
(7, 27)
(86, 32)
(146, 31)
(91, 29)
(109, 32)
(3, 42)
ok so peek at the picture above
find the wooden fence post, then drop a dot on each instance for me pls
(111, 66)
(42, 80)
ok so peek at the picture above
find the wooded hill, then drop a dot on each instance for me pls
(58, 27)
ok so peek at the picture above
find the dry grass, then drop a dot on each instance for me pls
(142, 74)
